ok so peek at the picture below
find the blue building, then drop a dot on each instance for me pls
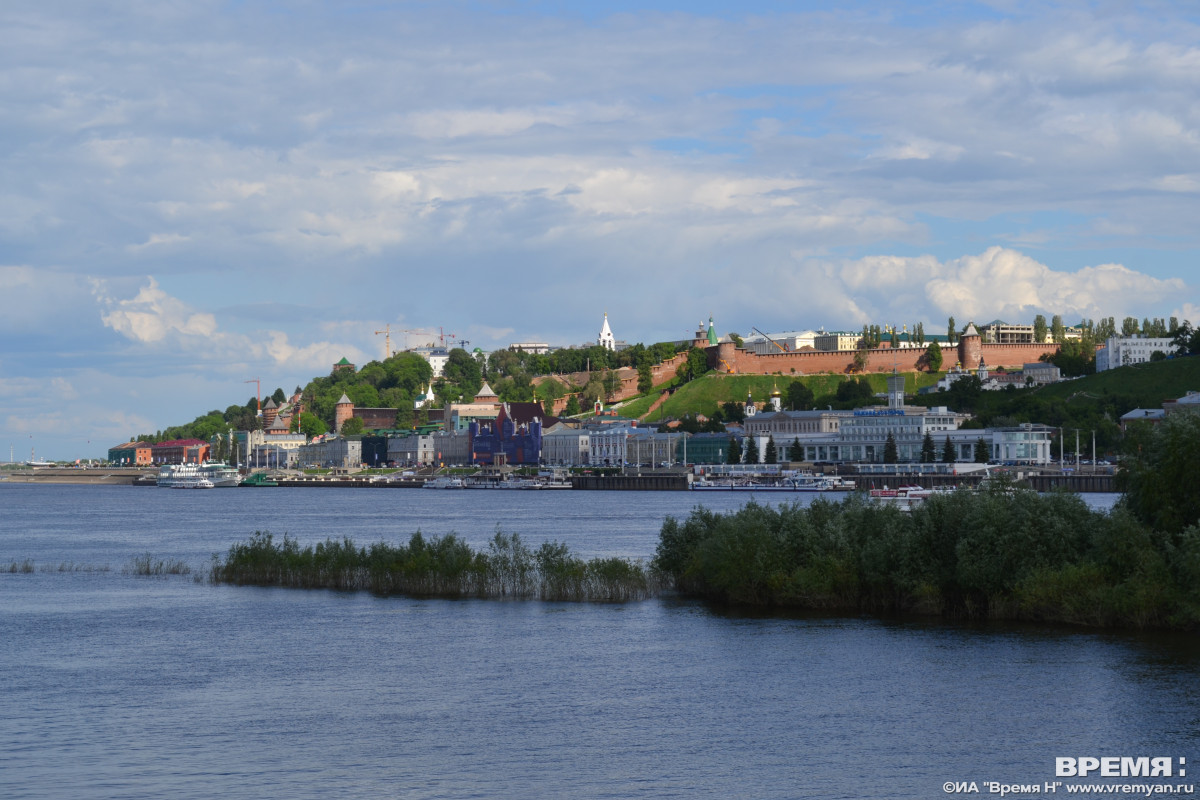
(505, 441)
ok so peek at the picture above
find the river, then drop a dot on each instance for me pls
(119, 686)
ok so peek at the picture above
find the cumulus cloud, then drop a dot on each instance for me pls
(152, 315)
(998, 283)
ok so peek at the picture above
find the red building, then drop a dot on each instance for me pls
(180, 451)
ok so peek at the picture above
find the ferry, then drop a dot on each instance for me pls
(445, 482)
(220, 475)
(192, 482)
(797, 483)
(905, 498)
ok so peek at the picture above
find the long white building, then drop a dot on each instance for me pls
(1119, 351)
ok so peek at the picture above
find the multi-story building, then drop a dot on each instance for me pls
(565, 445)
(180, 451)
(130, 454)
(331, 451)
(837, 341)
(1120, 351)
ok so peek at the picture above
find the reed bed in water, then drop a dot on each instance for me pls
(440, 566)
(147, 564)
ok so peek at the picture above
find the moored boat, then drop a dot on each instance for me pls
(445, 482)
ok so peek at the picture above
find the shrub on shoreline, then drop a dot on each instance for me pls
(999, 554)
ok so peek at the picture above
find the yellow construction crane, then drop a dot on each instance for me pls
(387, 340)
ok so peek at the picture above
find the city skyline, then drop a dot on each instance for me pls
(207, 193)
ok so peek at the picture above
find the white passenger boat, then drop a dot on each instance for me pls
(184, 476)
(192, 482)
(905, 498)
(445, 482)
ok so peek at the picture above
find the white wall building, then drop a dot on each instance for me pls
(1120, 351)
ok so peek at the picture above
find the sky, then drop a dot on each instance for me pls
(195, 194)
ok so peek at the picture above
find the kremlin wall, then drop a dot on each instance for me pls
(727, 357)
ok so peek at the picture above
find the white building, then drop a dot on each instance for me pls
(1120, 351)
(436, 356)
(837, 341)
(789, 341)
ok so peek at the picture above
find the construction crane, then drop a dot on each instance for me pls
(442, 336)
(407, 331)
(768, 338)
(257, 393)
(387, 340)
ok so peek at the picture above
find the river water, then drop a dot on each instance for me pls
(118, 686)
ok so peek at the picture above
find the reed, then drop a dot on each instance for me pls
(71, 566)
(20, 567)
(148, 565)
(439, 566)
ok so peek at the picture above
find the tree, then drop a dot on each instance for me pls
(1129, 326)
(1057, 331)
(737, 340)
(611, 381)
(311, 425)
(353, 427)
(982, 454)
(734, 455)
(1159, 476)
(948, 454)
(795, 451)
(751, 451)
(933, 357)
(928, 451)
(645, 378)
(771, 454)
(572, 408)
(798, 396)
(279, 397)
(1183, 339)
(1039, 328)
(951, 331)
(891, 453)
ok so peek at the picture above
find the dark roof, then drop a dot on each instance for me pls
(181, 443)
(524, 413)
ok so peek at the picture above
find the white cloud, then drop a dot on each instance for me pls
(152, 315)
(998, 283)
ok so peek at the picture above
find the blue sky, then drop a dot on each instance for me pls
(194, 194)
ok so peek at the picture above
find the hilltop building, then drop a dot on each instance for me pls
(1119, 351)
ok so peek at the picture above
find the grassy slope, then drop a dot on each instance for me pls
(1147, 385)
(705, 394)
(1139, 386)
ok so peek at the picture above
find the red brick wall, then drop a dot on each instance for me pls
(726, 358)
